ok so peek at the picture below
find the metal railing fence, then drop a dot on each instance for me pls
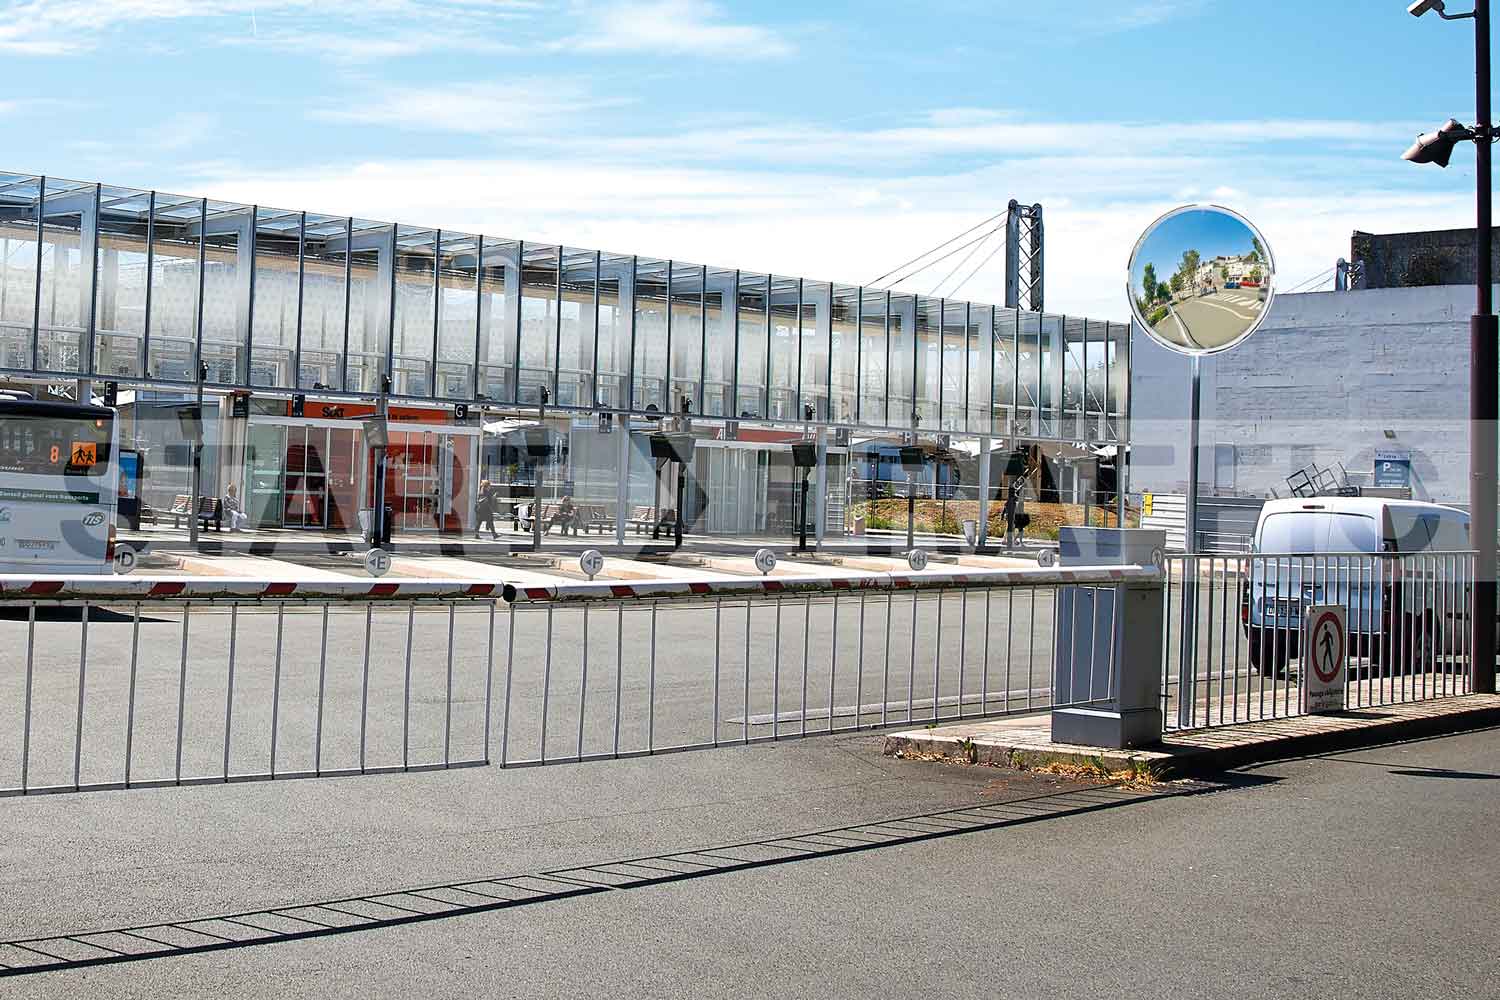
(1235, 627)
(117, 682)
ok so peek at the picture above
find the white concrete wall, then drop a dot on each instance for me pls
(1321, 381)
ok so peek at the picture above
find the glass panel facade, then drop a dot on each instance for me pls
(873, 358)
(458, 315)
(120, 282)
(370, 275)
(1029, 374)
(718, 332)
(816, 330)
(539, 327)
(1050, 373)
(901, 338)
(980, 361)
(649, 364)
(1003, 339)
(67, 278)
(579, 317)
(325, 290)
(1073, 369)
(929, 361)
(843, 355)
(175, 231)
(685, 335)
(273, 327)
(955, 365)
(616, 321)
(413, 330)
(1096, 378)
(1118, 381)
(783, 377)
(227, 265)
(753, 349)
(19, 198)
(499, 311)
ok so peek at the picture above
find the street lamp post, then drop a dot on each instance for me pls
(1484, 350)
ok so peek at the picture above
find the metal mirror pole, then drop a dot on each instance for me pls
(911, 509)
(1188, 633)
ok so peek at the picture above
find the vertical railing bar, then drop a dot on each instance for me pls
(984, 664)
(26, 720)
(489, 675)
(135, 643)
(448, 684)
(234, 616)
(1030, 658)
(1168, 714)
(411, 621)
(510, 662)
(1223, 580)
(937, 654)
(859, 665)
(963, 646)
(187, 610)
(546, 675)
(583, 676)
(718, 644)
(651, 688)
(83, 659)
(885, 679)
(322, 687)
(1097, 594)
(364, 685)
(619, 669)
(1242, 576)
(1116, 596)
(776, 676)
(748, 605)
(911, 668)
(806, 640)
(1010, 623)
(833, 659)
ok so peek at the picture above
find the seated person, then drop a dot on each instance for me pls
(567, 516)
(230, 503)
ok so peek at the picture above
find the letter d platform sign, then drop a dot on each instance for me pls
(1326, 658)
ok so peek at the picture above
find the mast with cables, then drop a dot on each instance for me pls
(1017, 231)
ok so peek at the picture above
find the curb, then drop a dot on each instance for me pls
(1166, 761)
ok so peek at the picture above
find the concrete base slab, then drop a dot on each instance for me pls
(1025, 741)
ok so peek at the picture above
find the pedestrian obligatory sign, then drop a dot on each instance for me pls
(1326, 657)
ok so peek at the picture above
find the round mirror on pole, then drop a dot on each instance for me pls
(1201, 280)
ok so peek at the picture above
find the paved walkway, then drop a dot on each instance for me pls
(1026, 740)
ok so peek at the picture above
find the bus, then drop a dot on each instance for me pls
(59, 477)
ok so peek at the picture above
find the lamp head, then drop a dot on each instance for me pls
(1423, 6)
(1437, 147)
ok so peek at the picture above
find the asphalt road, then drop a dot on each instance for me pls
(1366, 874)
(1212, 320)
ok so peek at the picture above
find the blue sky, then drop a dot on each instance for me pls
(832, 140)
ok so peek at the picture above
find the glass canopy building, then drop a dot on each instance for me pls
(137, 287)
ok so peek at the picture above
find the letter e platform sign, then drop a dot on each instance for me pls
(1326, 657)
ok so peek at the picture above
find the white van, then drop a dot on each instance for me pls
(1382, 559)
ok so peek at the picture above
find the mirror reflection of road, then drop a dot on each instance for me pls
(1211, 320)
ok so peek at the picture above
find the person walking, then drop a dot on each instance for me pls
(485, 510)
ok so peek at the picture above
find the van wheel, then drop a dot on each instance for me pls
(1269, 652)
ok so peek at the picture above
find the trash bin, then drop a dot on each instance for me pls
(971, 532)
(858, 530)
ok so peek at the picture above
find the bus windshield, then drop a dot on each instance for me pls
(66, 442)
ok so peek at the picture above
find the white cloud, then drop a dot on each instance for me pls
(69, 27)
(829, 224)
(664, 27)
(475, 108)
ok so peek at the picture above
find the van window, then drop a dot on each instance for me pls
(1314, 531)
(1411, 529)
